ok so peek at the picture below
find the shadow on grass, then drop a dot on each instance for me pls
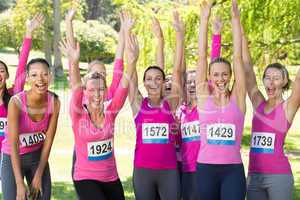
(297, 190)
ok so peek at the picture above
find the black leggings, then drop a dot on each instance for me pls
(221, 182)
(148, 183)
(96, 190)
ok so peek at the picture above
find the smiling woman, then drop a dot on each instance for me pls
(32, 122)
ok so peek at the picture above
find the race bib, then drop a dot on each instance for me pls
(190, 131)
(101, 150)
(155, 133)
(221, 134)
(3, 124)
(262, 142)
(30, 139)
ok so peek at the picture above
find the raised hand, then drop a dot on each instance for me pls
(122, 20)
(70, 15)
(34, 23)
(177, 23)
(206, 9)
(67, 49)
(132, 48)
(234, 9)
(217, 25)
(128, 22)
(156, 28)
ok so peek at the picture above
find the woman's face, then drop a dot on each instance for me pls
(39, 77)
(274, 81)
(154, 82)
(3, 76)
(191, 84)
(94, 92)
(220, 76)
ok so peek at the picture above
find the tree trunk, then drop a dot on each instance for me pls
(56, 38)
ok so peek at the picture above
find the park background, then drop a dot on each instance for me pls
(272, 26)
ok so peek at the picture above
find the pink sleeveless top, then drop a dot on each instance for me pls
(267, 140)
(221, 133)
(155, 139)
(31, 134)
(94, 146)
(190, 135)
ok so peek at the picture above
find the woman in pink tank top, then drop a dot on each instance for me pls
(270, 175)
(220, 171)
(95, 172)
(19, 81)
(155, 156)
(32, 122)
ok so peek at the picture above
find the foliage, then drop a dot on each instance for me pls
(273, 28)
(97, 41)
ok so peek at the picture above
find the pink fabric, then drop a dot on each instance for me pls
(26, 125)
(189, 146)
(3, 124)
(18, 83)
(85, 133)
(275, 122)
(220, 151)
(155, 155)
(215, 47)
(117, 75)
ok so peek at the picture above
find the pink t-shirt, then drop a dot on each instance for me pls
(156, 137)
(268, 135)
(221, 133)
(190, 134)
(31, 134)
(18, 84)
(94, 147)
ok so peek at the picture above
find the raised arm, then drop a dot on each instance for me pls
(239, 88)
(135, 96)
(216, 38)
(118, 63)
(69, 26)
(31, 26)
(176, 89)
(201, 72)
(36, 184)
(73, 55)
(293, 101)
(157, 31)
(254, 93)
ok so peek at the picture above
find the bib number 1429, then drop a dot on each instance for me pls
(221, 134)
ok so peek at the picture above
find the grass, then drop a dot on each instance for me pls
(61, 154)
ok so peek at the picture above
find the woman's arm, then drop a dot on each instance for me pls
(13, 137)
(293, 102)
(255, 95)
(36, 184)
(176, 92)
(216, 39)
(135, 97)
(201, 72)
(239, 87)
(20, 78)
(157, 31)
(118, 64)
